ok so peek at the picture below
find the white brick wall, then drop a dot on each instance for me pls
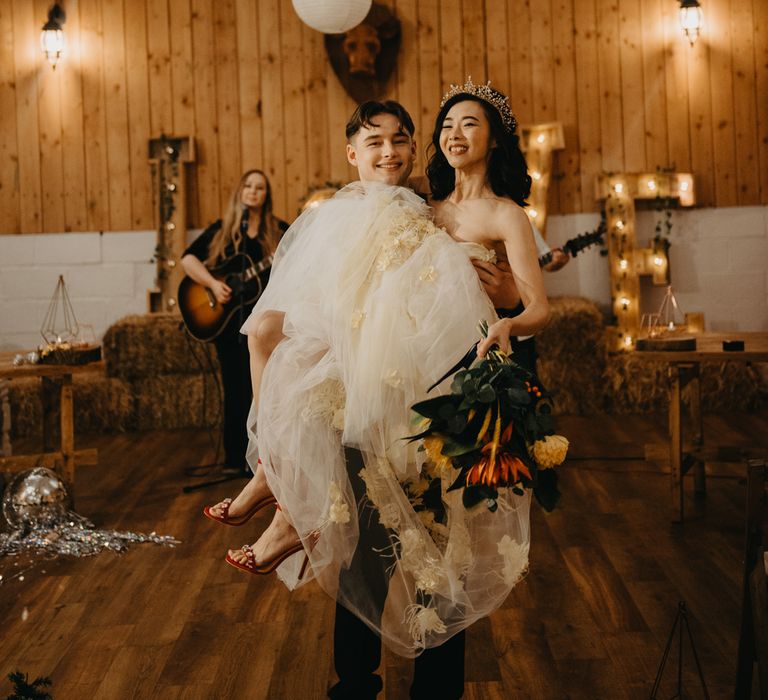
(718, 259)
(719, 264)
(107, 277)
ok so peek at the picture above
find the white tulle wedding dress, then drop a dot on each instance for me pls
(378, 304)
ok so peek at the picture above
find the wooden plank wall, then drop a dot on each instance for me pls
(252, 84)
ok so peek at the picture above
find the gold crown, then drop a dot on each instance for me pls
(487, 94)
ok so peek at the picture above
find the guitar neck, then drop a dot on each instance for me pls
(257, 268)
(574, 246)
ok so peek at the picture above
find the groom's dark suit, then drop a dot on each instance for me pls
(438, 672)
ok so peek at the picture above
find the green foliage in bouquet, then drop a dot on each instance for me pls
(496, 430)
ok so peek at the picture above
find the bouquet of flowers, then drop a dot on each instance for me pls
(494, 430)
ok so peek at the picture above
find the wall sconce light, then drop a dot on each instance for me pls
(690, 19)
(541, 138)
(624, 301)
(536, 175)
(532, 213)
(52, 36)
(623, 264)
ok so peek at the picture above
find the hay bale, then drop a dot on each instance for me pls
(101, 404)
(26, 408)
(572, 355)
(177, 401)
(635, 385)
(151, 345)
(640, 386)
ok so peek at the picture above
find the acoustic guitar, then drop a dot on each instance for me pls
(575, 245)
(203, 315)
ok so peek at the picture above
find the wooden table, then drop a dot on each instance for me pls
(684, 370)
(56, 387)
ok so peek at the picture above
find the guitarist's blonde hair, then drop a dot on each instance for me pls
(269, 231)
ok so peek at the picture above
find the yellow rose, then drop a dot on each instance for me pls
(550, 451)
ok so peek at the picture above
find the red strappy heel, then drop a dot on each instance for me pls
(225, 518)
(268, 567)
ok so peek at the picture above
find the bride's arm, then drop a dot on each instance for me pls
(514, 230)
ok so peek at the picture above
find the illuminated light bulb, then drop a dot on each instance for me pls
(671, 326)
(623, 264)
(658, 261)
(52, 37)
(536, 175)
(624, 301)
(171, 302)
(170, 226)
(171, 263)
(620, 225)
(541, 138)
(684, 185)
(171, 187)
(628, 341)
(618, 188)
(533, 213)
(690, 19)
(651, 185)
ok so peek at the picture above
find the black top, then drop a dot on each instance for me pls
(201, 246)
(511, 313)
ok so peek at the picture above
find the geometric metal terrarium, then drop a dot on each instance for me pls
(60, 323)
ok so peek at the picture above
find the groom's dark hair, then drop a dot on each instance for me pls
(364, 114)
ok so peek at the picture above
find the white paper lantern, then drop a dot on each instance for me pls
(332, 16)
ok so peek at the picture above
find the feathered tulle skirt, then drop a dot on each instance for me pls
(378, 305)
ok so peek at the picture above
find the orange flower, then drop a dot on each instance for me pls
(497, 466)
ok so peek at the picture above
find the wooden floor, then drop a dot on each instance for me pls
(590, 620)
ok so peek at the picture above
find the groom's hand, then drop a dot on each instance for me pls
(498, 282)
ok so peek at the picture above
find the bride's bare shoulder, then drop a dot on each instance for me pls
(505, 218)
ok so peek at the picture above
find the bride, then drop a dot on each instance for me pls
(368, 304)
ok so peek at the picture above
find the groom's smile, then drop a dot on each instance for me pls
(382, 151)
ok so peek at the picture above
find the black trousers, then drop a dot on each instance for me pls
(438, 672)
(524, 353)
(232, 351)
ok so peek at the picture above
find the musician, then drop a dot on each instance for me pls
(249, 227)
(559, 257)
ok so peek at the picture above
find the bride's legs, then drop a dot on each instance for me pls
(262, 341)
(266, 336)
(278, 537)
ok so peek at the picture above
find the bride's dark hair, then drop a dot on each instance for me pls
(507, 171)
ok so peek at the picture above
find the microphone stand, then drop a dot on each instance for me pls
(243, 234)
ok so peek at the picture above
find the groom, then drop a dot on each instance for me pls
(380, 145)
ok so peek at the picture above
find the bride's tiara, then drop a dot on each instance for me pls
(487, 94)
